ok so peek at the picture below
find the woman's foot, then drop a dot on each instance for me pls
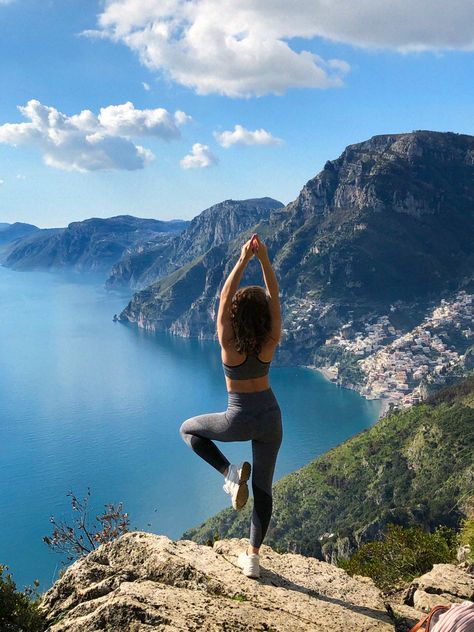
(250, 564)
(236, 483)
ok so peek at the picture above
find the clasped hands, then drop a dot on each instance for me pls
(254, 247)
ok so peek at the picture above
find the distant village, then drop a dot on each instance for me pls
(396, 364)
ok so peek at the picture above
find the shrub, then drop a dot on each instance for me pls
(81, 537)
(404, 553)
(466, 535)
(19, 610)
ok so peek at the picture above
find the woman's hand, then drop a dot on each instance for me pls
(247, 251)
(259, 249)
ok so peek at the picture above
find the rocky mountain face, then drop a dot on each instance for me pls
(413, 467)
(143, 582)
(390, 221)
(92, 245)
(214, 227)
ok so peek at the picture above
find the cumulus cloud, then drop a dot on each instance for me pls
(2, 182)
(146, 86)
(243, 48)
(89, 142)
(242, 136)
(228, 48)
(201, 156)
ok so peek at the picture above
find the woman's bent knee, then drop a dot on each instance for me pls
(184, 431)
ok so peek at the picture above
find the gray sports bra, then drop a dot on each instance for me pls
(250, 368)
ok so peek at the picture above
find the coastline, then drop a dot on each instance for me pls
(328, 375)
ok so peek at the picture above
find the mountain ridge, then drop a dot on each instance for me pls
(90, 245)
(213, 227)
(385, 230)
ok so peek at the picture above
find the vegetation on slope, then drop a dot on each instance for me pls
(413, 467)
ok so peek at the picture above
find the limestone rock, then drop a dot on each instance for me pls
(146, 582)
(443, 584)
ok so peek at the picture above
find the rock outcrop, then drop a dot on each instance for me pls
(444, 583)
(144, 582)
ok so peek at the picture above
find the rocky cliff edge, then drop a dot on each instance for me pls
(144, 582)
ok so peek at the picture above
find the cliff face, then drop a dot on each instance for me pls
(390, 220)
(215, 226)
(91, 245)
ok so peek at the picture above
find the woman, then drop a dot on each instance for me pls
(248, 328)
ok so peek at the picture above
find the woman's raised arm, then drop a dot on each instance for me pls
(271, 284)
(225, 332)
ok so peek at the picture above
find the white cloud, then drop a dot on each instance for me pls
(228, 48)
(243, 48)
(242, 136)
(146, 86)
(2, 182)
(20, 176)
(200, 156)
(86, 142)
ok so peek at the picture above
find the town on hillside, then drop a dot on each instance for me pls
(396, 365)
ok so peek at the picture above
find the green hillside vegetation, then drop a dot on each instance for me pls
(402, 555)
(413, 467)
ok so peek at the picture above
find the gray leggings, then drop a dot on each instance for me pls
(249, 416)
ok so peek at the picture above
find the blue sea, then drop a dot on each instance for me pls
(86, 402)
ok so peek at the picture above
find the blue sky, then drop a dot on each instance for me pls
(302, 86)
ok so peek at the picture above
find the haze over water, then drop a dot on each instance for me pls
(88, 402)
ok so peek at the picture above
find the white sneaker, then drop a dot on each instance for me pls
(236, 483)
(250, 564)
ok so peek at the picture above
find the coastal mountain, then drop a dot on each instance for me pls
(413, 467)
(10, 232)
(215, 226)
(92, 245)
(385, 231)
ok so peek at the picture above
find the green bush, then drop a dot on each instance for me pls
(19, 610)
(404, 553)
(466, 535)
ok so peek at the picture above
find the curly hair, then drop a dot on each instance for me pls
(251, 319)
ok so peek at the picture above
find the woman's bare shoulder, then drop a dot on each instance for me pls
(268, 351)
(229, 353)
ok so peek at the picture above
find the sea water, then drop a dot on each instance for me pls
(88, 402)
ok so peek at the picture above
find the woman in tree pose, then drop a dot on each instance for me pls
(248, 328)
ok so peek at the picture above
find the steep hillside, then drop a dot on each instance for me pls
(412, 467)
(91, 245)
(215, 226)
